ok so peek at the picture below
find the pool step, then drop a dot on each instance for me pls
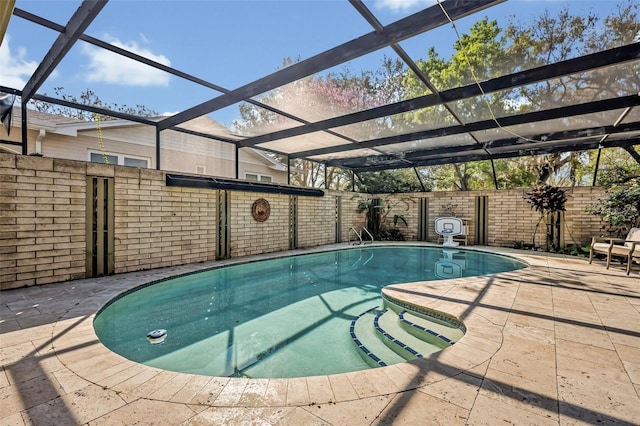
(430, 329)
(372, 349)
(386, 337)
(397, 338)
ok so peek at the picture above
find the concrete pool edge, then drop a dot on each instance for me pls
(108, 386)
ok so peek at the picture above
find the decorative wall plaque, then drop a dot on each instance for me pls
(260, 210)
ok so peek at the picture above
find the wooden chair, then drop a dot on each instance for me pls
(628, 248)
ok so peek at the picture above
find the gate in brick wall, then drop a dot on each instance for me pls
(293, 222)
(482, 220)
(223, 213)
(423, 219)
(100, 226)
(338, 230)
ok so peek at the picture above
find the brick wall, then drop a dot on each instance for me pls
(43, 202)
(316, 220)
(42, 210)
(510, 217)
(43, 214)
(156, 225)
(349, 215)
(249, 236)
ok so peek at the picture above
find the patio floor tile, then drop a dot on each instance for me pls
(555, 343)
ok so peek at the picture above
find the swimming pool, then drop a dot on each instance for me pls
(284, 317)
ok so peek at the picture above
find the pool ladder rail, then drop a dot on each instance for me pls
(360, 235)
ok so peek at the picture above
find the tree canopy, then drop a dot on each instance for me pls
(486, 51)
(489, 51)
(90, 98)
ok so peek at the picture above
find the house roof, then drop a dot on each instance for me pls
(70, 126)
(467, 129)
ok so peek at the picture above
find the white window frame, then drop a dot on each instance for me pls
(259, 177)
(120, 157)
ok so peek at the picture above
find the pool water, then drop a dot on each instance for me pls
(286, 317)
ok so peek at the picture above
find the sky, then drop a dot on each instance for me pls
(228, 43)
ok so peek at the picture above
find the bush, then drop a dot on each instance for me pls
(619, 209)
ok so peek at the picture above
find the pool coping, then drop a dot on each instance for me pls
(85, 362)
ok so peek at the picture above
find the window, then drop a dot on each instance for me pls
(135, 162)
(201, 170)
(254, 177)
(119, 159)
(99, 158)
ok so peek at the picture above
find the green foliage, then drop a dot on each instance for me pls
(378, 210)
(619, 209)
(546, 199)
(490, 50)
(89, 98)
(390, 181)
(617, 171)
(515, 173)
(389, 234)
(576, 250)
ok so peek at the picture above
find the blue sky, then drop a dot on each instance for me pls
(229, 43)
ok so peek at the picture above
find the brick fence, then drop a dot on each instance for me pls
(43, 215)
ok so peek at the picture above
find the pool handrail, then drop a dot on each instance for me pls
(369, 234)
(359, 235)
(359, 240)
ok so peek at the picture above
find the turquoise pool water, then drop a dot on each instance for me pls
(286, 317)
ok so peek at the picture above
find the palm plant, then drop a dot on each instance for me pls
(378, 211)
(547, 200)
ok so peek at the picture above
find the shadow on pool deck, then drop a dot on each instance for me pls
(555, 343)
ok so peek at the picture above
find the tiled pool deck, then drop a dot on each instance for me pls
(555, 343)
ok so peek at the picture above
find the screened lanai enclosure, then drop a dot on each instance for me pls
(524, 98)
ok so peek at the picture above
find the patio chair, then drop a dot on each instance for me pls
(628, 248)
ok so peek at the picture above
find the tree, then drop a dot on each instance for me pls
(320, 97)
(619, 208)
(489, 51)
(88, 98)
(390, 181)
(550, 38)
(479, 55)
(378, 211)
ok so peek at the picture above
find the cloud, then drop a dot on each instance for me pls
(15, 70)
(404, 5)
(108, 67)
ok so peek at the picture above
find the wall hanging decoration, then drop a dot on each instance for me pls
(260, 210)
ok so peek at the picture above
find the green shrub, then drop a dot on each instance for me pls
(619, 209)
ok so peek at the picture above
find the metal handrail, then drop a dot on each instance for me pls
(360, 258)
(355, 231)
(368, 260)
(369, 234)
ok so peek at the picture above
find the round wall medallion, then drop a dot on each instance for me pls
(260, 210)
